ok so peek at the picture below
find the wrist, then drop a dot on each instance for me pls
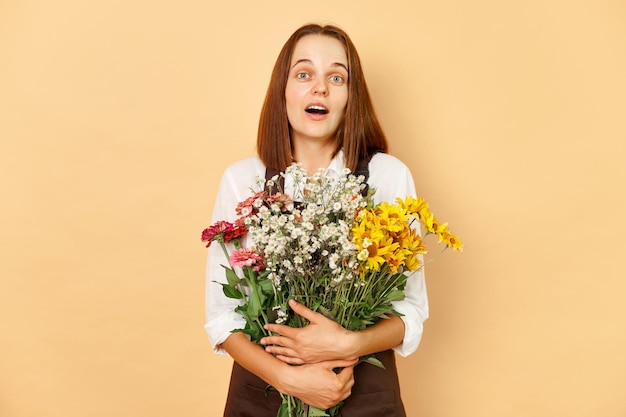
(353, 343)
(284, 378)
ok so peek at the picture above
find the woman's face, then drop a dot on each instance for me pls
(317, 88)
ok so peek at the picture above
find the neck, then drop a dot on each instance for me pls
(313, 156)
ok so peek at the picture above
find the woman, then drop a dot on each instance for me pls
(317, 112)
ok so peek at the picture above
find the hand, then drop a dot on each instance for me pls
(322, 340)
(318, 384)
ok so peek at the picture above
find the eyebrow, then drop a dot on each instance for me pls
(308, 61)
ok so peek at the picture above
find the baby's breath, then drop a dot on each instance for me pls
(309, 241)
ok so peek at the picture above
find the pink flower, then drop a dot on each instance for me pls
(283, 199)
(247, 257)
(246, 208)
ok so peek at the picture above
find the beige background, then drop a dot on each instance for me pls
(118, 117)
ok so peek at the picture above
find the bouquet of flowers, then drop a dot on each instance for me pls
(328, 247)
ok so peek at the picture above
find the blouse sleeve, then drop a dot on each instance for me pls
(391, 179)
(221, 317)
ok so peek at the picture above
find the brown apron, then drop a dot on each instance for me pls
(376, 393)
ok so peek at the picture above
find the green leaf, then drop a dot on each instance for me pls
(254, 334)
(254, 306)
(283, 411)
(243, 310)
(334, 410)
(231, 292)
(395, 295)
(317, 305)
(266, 286)
(374, 361)
(232, 277)
(356, 324)
(316, 412)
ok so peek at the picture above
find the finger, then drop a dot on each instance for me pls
(341, 363)
(279, 350)
(302, 310)
(281, 329)
(290, 360)
(276, 340)
(345, 374)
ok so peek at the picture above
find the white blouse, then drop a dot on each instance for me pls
(387, 175)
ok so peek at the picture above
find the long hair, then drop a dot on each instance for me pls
(359, 134)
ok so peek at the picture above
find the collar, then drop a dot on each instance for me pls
(336, 166)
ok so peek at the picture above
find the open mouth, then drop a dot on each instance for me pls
(317, 110)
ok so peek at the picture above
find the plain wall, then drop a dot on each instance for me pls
(118, 117)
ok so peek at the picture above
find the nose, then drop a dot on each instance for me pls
(320, 88)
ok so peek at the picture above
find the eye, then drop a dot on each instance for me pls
(337, 79)
(302, 76)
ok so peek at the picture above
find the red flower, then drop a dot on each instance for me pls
(224, 231)
(217, 232)
(239, 229)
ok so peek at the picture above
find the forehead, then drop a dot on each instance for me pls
(320, 48)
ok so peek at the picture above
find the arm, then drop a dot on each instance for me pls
(324, 340)
(315, 384)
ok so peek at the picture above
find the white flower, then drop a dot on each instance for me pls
(282, 316)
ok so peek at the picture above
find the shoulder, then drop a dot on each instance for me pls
(245, 167)
(239, 177)
(384, 161)
(390, 177)
(244, 172)
(385, 168)
(236, 184)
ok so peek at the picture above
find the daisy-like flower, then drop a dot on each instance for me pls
(416, 206)
(281, 315)
(451, 241)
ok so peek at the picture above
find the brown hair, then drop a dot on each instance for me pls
(359, 134)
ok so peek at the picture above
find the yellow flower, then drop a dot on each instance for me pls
(392, 217)
(413, 246)
(382, 252)
(413, 205)
(440, 229)
(372, 232)
(384, 237)
(429, 222)
(452, 241)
